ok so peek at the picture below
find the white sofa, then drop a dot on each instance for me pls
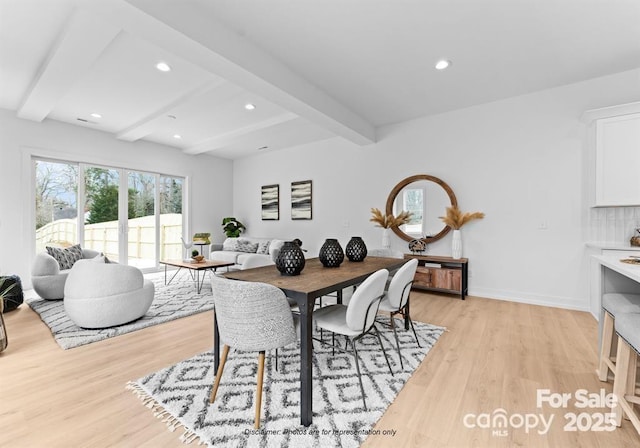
(238, 250)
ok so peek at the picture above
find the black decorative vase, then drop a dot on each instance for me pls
(331, 254)
(290, 260)
(356, 250)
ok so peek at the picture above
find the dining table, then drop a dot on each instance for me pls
(313, 282)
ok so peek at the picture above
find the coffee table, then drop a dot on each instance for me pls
(194, 270)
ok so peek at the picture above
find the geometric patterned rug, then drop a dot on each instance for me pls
(179, 394)
(170, 302)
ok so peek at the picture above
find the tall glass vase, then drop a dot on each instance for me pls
(456, 245)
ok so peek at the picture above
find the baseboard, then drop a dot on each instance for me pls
(531, 299)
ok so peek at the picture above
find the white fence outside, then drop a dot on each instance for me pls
(104, 237)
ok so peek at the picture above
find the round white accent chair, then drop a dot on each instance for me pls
(101, 295)
(48, 279)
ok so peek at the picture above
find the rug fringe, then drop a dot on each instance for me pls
(187, 437)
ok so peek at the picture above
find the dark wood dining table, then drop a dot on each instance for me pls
(314, 281)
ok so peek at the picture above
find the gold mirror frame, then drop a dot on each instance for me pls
(403, 183)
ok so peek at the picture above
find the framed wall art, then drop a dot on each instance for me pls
(301, 196)
(270, 201)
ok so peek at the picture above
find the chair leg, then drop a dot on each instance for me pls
(276, 360)
(414, 331)
(259, 388)
(355, 356)
(223, 360)
(395, 334)
(605, 347)
(384, 352)
(623, 364)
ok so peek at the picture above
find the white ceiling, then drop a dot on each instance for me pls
(314, 68)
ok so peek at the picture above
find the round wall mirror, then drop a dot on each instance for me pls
(427, 198)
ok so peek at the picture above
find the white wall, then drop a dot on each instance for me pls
(209, 179)
(519, 160)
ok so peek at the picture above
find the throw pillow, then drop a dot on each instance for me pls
(230, 244)
(66, 257)
(245, 245)
(275, 245)
(263, 247)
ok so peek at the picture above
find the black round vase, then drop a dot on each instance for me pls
(331, 254)
(290, 260)
(356, 250)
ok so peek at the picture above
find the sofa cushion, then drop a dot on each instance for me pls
(245, 256)
(246, 245)
(230, 244)
(224, 255)
(263, 247)
(66, 257)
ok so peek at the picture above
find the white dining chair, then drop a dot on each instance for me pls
(356, 320)
(396, 300)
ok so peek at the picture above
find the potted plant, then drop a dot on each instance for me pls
(232, 227)
(387, 222)
(4, 294)
(196, 256)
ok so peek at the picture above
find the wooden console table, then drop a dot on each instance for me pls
(442, 274)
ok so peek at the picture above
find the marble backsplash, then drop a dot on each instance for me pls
(613, 224)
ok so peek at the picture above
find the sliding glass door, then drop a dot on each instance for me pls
(133, 217)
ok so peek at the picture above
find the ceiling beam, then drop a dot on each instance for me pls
(79, 45)
(222, 140)
(148, 124)
(188, 30)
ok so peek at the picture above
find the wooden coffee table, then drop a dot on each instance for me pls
(194, 270)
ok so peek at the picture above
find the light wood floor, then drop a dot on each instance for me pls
(495, 355)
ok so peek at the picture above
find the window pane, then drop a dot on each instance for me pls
(56, 204)
(171, 217)
(101, 211)
(413, 202)
(142, 220)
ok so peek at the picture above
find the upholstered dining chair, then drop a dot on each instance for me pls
(357, 319)
(251, 317)
(396, 299)
(624, 383)
(612, 305)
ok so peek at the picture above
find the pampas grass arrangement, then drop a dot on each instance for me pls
(456, 219)
(388, 221)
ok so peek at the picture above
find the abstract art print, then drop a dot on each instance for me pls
(301, 200)
(270, 202)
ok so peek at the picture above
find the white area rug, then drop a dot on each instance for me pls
(179, 395)
(173, 301)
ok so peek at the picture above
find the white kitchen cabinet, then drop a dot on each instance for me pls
(613, 155)
(617, 180)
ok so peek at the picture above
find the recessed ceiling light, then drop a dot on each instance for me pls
(442, 64)
(249, 106)
(177, 136)
(163, 67)
(95, 115)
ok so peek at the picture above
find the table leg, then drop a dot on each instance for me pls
(306, 374)
(406, 316)
(165, 275)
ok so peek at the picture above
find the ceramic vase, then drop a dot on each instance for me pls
(456, 245)
(331, 254)
(290, 260)
(356, 250)
(386, 238)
